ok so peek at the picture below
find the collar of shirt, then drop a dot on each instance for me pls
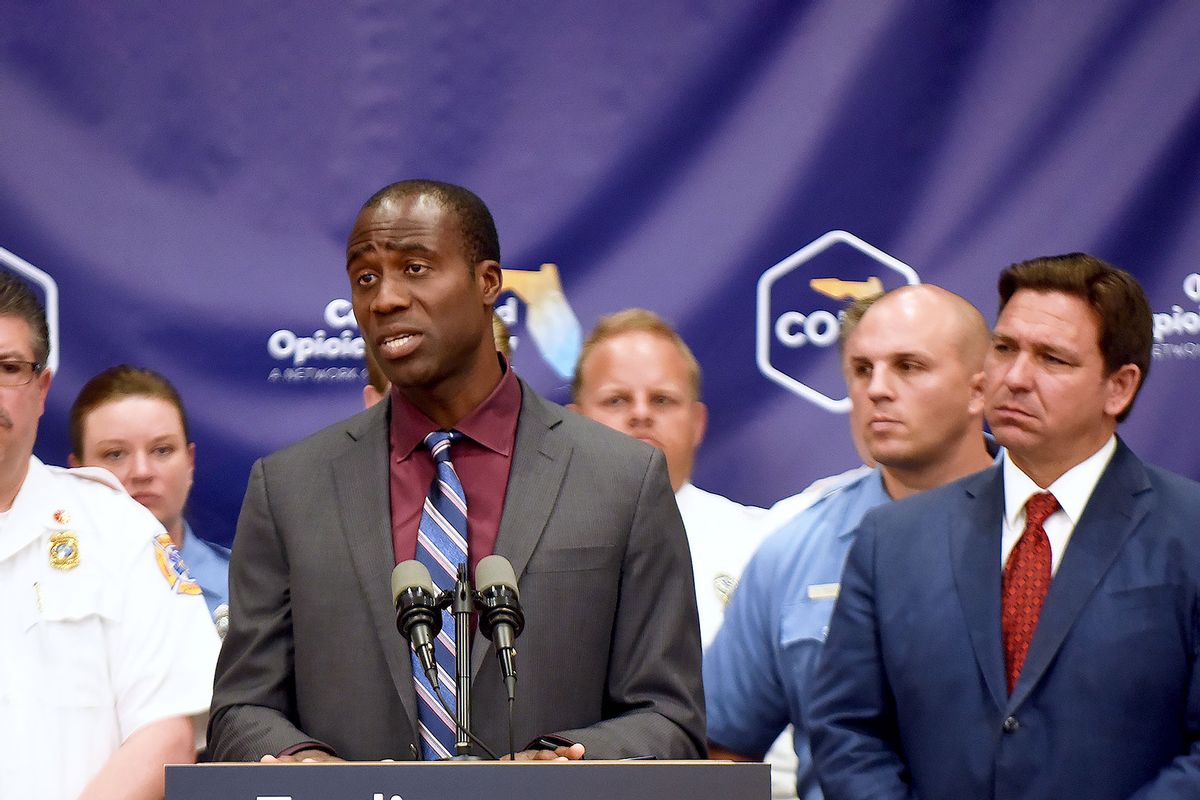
(492, 424)
(482, 460)
(1073, 489)
(871, 493)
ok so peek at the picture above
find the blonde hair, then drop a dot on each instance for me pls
(634, 320)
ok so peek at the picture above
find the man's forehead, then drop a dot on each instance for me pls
(15, 332)
(875, 339)
(889, 351)
(404, 223)
(634, 356)
(645, 349)
(1047, 315)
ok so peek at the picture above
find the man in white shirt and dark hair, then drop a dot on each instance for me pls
(637, 375)
(107, 648)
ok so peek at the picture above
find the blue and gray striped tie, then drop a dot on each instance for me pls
(441, 547)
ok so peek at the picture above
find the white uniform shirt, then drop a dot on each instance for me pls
(722, 536)
(93, 649)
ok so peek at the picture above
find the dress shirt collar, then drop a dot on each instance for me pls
(1072, 490)
(873, 493)
(492, 424)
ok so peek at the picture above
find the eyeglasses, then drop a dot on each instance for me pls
(18, 373)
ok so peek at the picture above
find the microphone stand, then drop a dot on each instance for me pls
(462, 605)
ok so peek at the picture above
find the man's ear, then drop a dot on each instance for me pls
(975, 396)
(490, 278)
(700, 423)
(1120, 387)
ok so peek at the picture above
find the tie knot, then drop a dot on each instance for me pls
(439, 443)
(1038, 508)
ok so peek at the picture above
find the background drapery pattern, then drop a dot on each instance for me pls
(187, 173)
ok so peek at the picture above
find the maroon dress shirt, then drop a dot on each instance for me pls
(481, 458)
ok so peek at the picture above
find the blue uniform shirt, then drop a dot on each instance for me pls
(758, 669)
(208, 564)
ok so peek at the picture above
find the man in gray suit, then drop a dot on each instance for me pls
(313, 666)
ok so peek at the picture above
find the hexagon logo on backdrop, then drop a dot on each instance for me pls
(50, 297)
(799, 305)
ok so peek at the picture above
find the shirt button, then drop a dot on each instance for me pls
(1011, 725)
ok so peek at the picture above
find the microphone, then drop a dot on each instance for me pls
(417, 616)
(221, 620)
(501, 618)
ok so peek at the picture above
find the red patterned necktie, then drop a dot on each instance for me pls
(1026, 581)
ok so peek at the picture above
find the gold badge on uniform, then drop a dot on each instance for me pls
(64, 550)
(724, 585)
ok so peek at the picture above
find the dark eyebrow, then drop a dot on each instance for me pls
(390, 245)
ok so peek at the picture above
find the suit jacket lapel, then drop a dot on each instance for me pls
(975, 555)
(539, 463)
(361, 481)
(1117, 505)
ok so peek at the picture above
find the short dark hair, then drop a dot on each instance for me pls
(480, 240)
(18, 300)
(117, 383)
(1117, 299)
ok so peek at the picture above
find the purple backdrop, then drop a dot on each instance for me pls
(186, 174)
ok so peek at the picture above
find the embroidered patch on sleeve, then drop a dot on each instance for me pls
(170, 564)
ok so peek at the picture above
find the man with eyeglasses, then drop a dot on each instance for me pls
(108, 651)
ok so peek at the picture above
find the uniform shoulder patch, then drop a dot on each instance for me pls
(170, 564)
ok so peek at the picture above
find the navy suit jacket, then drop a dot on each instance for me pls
(910, 698)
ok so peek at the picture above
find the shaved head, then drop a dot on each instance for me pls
(969, 329)
(914, 367)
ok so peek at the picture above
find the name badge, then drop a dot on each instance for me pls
(823, 591)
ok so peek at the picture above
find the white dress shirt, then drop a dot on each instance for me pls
(1072, 490)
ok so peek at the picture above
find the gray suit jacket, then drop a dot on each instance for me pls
(610, 655)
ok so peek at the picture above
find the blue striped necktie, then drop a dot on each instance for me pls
(441, 547)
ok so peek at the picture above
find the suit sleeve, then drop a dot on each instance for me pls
(654, 703)
(853, 719)
(254, 692)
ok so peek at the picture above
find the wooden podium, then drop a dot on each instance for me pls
(415, 780)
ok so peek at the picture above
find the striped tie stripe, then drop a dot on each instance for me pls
(444, 527)
(441, 547)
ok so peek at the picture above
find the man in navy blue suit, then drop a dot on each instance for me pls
(1032, 631)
